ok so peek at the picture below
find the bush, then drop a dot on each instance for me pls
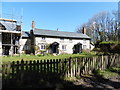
(109, 42)
(39, 55)
(96, 49)
(48, 54)
(86, 51)
(109, 47)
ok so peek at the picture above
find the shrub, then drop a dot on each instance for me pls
(48, 54)
(39, 55)
(109, 42)
(86, 51)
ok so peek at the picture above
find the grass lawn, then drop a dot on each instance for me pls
(33, 57)
(109, 73)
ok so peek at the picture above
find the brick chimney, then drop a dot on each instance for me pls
(33, 25)
(84, 30)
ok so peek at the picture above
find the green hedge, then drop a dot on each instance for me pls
(108, 47)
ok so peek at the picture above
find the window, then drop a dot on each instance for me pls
(43, 38)
(43, 46)
(84, 47)
(64, 47)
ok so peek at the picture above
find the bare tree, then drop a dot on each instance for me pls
(102, 26)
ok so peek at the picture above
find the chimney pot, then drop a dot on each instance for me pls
(84, 30)
(33, 25)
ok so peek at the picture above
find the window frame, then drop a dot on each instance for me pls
(84, 47)
(42, 47)
(64, 47)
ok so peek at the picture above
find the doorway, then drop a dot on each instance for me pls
(77, 48)
(54, 48)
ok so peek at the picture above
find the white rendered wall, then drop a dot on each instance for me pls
(23, 42)
(69, 45)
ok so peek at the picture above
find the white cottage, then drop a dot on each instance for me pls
(56, 42)
(59, 41)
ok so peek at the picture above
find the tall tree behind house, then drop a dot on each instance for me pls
(102, 26)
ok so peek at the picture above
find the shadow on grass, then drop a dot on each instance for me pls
(115, 70)
(56, 81)
(31, 79)
(99, 80)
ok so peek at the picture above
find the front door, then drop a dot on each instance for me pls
(77, 48)
(54, 47)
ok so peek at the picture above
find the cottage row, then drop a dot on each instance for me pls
(40, 41)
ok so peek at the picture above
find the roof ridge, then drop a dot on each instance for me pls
(57, 31)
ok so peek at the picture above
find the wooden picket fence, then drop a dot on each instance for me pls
(71, 67)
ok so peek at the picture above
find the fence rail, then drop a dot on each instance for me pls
(71, 67)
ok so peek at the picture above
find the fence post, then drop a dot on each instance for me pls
(3, 75)
(73, 64)
(17, 68)
(70, 63)
(80, 66)
(65, 68)
(41, 68)
(3, 70)
(34, 65)
(67, 65)
(57, 65)
(85, 62)
(37, 65)
(13, 68)
(75, 67)
(90, 67)
(102, 62)
(108, 64)
(54, 65)
(44, 66)
(8, 73)
(50, 66)
(48, 69)
(30, 65)
(26, 65)
(22, 65)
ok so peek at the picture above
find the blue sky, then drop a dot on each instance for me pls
(66, 16)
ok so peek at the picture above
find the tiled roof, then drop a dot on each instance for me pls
(9, 25)
(25, 34)
(59, 33)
